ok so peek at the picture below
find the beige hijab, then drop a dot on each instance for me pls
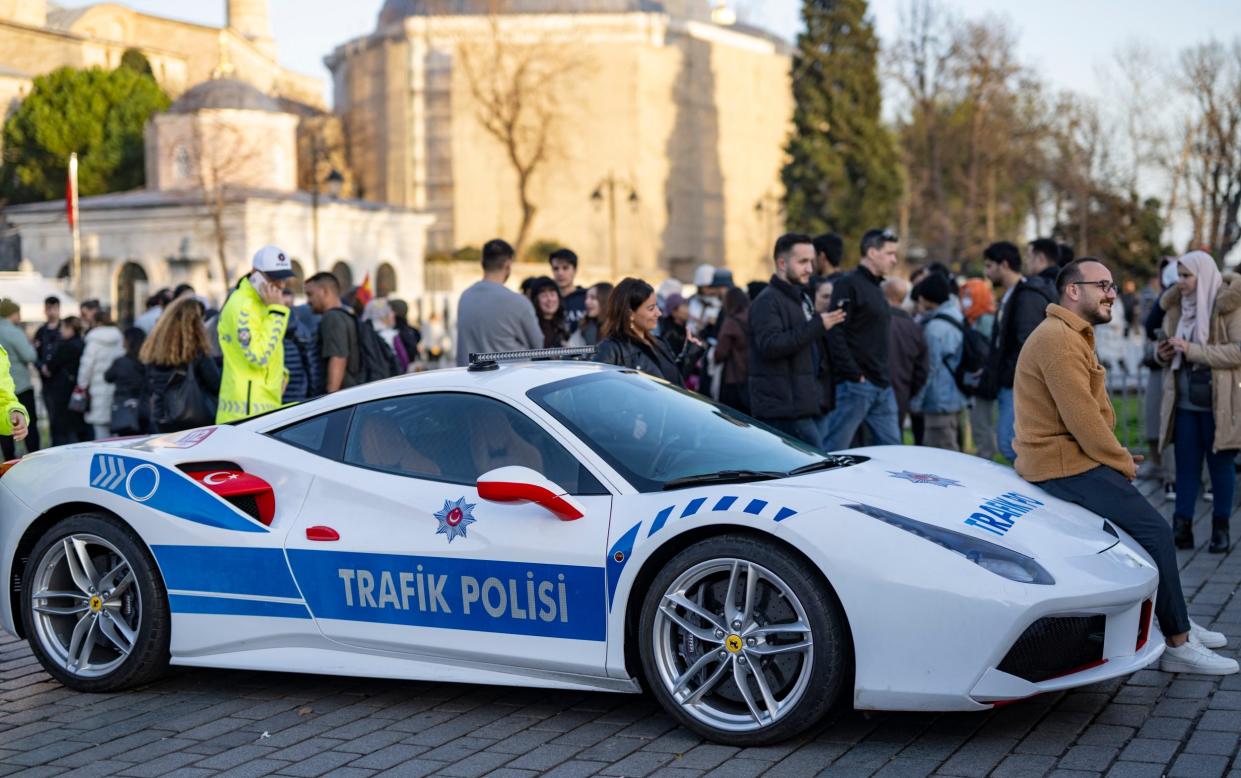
(1195, 323)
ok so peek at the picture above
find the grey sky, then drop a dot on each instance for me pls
(1064, 39)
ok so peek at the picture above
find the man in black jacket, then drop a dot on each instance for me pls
(787, 342)
(1044, 263)
(1022, 308)
(859, 350)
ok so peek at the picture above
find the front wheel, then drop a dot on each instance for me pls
(742, 641)
(94, 606)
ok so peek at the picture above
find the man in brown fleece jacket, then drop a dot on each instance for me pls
(1065, 444)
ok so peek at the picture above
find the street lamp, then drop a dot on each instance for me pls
(334, 182)
(606, 189)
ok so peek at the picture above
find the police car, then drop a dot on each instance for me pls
(567, 525)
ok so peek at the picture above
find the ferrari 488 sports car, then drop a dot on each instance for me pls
(567, 525)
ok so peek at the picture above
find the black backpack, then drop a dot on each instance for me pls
(376, 357)
(975, 354)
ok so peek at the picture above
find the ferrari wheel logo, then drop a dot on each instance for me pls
(454, 517)
(733, 643)
(96, 604)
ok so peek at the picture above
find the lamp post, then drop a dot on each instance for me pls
(334, 181)
(606, 189)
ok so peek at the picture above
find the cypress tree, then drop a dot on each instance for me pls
(842, 172)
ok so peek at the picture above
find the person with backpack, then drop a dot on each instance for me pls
(182, 378)
(941, 400)
(978, 305)
(339, 349)
(1023, 306)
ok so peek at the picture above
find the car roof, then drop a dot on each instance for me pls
(511, 379)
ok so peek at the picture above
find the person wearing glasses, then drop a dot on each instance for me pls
(1066, 445)
(859, 350)
(1200, 391)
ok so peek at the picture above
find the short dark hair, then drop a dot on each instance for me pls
(90, 305)
(182, 289)
(495, 253)
(874, 239)
(326, 279)
(1004, 253)
(51, 300)
(786, 242)
(564, 255)
(1072, 272)
(1066, 254)
(1047, 247)
(832, 246)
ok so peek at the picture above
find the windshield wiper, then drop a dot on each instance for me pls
(823, 464)
(723, 477)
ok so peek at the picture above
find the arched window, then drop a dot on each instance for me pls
(131, 293)
(344, 275)
(385, 280)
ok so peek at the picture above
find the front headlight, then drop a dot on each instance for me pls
(997, 559)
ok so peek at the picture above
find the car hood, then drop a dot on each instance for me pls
(964, 494)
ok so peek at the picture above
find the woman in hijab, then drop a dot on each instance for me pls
(1201, 389)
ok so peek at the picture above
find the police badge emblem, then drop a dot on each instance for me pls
(924, 478)
(454, 517)
(243, 337)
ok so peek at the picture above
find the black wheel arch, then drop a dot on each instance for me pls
(673, 546)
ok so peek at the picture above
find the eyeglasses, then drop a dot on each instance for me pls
(1103, 286)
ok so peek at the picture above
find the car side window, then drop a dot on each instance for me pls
(456, 438)
(323, 434)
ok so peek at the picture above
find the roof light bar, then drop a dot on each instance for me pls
(489, 360)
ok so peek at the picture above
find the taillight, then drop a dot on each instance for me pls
(246, 492)
(7, 466)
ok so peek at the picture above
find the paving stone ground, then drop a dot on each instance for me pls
(212, 722)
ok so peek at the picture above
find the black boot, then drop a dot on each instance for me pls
(1182, 532)
(1219, 537)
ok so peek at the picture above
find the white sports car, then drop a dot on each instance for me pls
(567, 525)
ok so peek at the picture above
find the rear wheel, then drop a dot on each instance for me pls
(742, 641)
(94, 607)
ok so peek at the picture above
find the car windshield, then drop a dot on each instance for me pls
(659, 436)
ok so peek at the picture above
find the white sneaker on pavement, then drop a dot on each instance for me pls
(1193, 657)
(1207, 637)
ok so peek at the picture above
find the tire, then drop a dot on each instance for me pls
(698, 656)
(106, 626)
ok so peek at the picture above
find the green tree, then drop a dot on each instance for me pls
(97, 113)
(842, 172)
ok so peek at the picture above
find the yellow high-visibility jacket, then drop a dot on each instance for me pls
(8, 396)
(252, 341)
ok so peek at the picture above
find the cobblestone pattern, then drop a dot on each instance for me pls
(207, 722)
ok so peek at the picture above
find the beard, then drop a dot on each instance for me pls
(1101, 314)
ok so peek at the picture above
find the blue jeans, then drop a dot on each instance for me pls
(805, 429)
(860, 403)
(1194, 438)
(1004, 429)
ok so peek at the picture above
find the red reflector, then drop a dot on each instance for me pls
(7, 466)
(1079, 669)
(235, 486)
(1144, 623)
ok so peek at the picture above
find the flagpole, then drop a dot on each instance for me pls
(71, 197)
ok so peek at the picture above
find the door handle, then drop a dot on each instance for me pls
(321, 532)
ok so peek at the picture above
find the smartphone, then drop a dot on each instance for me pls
(258, 281)
(1160, 334)
(843, 305)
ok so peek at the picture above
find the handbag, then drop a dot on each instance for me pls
(125, 416)
(79, 401)
(1200, 386)
(186, 405)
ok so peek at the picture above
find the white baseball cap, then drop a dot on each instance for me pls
(273, 262)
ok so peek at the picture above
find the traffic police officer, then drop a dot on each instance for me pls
(251, 332)
(12, 413)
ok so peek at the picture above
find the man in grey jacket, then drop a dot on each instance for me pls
(21, 357)
(492, 317)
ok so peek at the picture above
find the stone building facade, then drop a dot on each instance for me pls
(670, 137)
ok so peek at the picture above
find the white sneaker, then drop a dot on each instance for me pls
(1193, 657)
(1205, 636)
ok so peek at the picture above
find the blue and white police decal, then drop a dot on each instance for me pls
(454, 517)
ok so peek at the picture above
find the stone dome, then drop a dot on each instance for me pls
(394, 11)
(224, 93)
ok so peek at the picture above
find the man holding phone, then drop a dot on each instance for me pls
(251, 332)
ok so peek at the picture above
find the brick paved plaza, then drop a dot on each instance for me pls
(206, 722)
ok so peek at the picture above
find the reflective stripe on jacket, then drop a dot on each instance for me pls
(252, 341)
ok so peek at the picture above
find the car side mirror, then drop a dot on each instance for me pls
(521, 484)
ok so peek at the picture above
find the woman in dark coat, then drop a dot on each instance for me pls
(178, 345)
(62, 375)
(130, 410)
(732, 350)
(545, 297)
(629, 338)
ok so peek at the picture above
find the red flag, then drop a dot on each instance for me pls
(365, 294)
(71, 192)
